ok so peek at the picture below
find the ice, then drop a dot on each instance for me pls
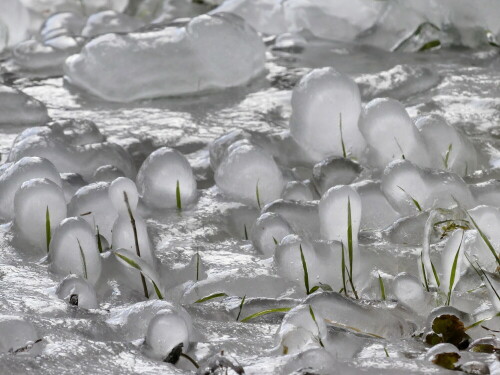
(165, 331)
(405, 184)
(110, 21)
(16, 333)
(16, 174)
(63, 23)
(268, 228)
(72, 146)
(377, 212)
(440, 348)
(93, 204)
(411, 294)
(169, 61)
(73, 250)
(18, 108)
(107, 173)
(335, 171)
(346, 313)
(218, 149)
(449, 149)
(71, 182)
(486, 193)
(302, 217)
(33, 201)
(487, 219)
(315, 359)
(297, 191)
(77, 291)
(159, 176)
(407, 230)
(249, 175)
(391, 134)
(14, 15)
(321, 101)
(454, 249)
(123, 191)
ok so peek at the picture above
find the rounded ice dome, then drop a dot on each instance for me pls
(18, 108)
(123, 191)
(36, 202)
(325, 110)
(16, 333)
(159, 176)
(77, 292)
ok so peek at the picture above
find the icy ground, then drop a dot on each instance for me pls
(105, 334)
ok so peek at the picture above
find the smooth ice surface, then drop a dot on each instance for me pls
(109, 21)
(209, 52)
(17, 108)
(72, 286)
(16, 333)
(15, 17)
(268, 231)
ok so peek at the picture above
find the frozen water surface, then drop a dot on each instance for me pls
(274, 139)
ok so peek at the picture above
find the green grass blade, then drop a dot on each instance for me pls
(436, 277)
(382, 287)
(48, 234)
(304, 267)
(415, 202)
(479, 322)
(349, 235)
(84, 262)
(178, 196)
(265, 312)
(197, 266)
(241, 307)
(485, 239)
(211, 296)
(386, 353)
(99, 242)
(316, 323)
(246, 233)
(275, 241)
(424, 274)
(343, 269)
(447, 156)
(453, 272)
(430, 45)
(488, 281)
(344, 153)
(257, 194)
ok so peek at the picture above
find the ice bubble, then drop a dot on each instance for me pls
(71, 182)
(77, 292)
(345, 312)
(377, 212)
(17, 108)
(93, 204)
(410, 189)
(235, 56)
(335, 171)
(159, 176)
(107, 173)
(123, 195)
(249, 175)
(410, 293)
(297, 191)
(391, 134)
(73, 250)
(16, 174)
(301, 216)
(16, 333)
(110, 21)
(34, 201)
(62, 23)
(268, 231)
(449, 149)
(165, 331)
(322, 101)
(14, 15)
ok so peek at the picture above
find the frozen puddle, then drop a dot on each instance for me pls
(249, 186)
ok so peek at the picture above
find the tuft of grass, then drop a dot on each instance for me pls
(241, 307)
(135, 265)
(304, 267)
(48, 234)
(447, 156)
(136, 239)
(344, 153)
(382, 287)
(311, 312)
(415, 202)
(257, 194)
(84, 262)
(265, 312)
(99, 242)
(453, 272)
(211, 296)
(178, 196)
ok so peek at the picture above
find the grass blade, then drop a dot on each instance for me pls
(436, 277)
(382, 287)
(453, 271)
(479, 322)
(344, 153)
(424, 274)
(48, 234)
(257, 194)
(241, 307)
(246, 233)
(400, 148)
(197, 266)
(304, 267)
(343, 270)
(82, 254)
(265, 312)
(99, 242)
(350, 247)
(178, 196)
(485, 239)
(415, 202)
(447, 156)
(430, 45)
(317, 326)
(211, 296)
(386, 353)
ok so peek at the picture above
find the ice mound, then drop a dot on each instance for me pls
(17, 108)
(249, 175)
(390, 134)
(165, 331)
(19, 172)
(110, 21)
(93, 204)
(487, 219)
(302, 217)
(268, 231)
(344, 312)
(220, 50)
(71, 182)
(62, 23)
(410, 293)
(297, 191)
(410, 189)
(449, 149)
(335, 171)
(15, 17)
(107, 173)
(74, 146)
(163, 173)
(73, 250)
(34, 202)
(16, 333)
(325, 110)
(77, 292)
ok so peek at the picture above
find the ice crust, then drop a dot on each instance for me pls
(220, 50)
